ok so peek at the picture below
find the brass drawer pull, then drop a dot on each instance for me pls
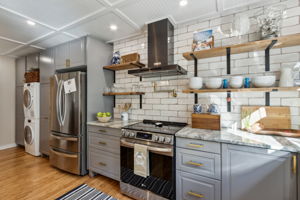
(294, 164)
(102, 143)
(103, 131)
(195, 145)
(195, 194)
(102, 164)
(194, 163)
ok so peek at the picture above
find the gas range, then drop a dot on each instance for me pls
(153, 131)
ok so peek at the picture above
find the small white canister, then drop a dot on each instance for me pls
(124, 116)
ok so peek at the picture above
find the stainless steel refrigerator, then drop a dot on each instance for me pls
(68, 122)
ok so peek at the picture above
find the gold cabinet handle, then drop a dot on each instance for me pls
(194, 163)
(103, 131)
(294, 164)
(102, 143)
(102, 164)
(195, 145)
(195, 194)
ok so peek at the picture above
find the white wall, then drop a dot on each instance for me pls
(7, 102)
(161, 106)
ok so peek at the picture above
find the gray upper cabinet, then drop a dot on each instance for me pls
(47, 68)
(20, 71)
(254, 173)
(32, 61)
(70, 54)
(44, 119)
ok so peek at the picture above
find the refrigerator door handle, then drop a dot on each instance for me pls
(57, 103)
(64, 110)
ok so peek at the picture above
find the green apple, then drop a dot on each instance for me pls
(104, 115)
(99, 114)
(108, 114)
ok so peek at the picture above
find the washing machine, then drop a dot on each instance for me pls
(32, 136)
(31, 100)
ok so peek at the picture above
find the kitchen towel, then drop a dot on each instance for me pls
(141, 160)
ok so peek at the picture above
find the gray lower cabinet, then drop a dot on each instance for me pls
(44, 136)
(254, 173)
(104, 151)
(19, 116)
(44, 118)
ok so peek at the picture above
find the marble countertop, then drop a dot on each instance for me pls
(240, 137)
(114, 123)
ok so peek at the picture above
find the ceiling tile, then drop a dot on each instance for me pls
(55, 40)
(16, 28)
(99, 28)
(144, 10)
(56, 13)
(231, 4)
(24, 51)
(7, 45)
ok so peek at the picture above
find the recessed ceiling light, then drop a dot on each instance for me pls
(113, 27)
(183, 2)
(31, 23)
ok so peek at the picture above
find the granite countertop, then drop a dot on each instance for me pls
(240, 137)
(114, 123)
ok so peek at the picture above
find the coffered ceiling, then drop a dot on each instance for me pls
(58, 21)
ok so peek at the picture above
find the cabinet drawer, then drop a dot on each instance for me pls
(200, 163)
(193, 187)
(105, 130)
(199, 145)
(104, 142)
(104, 163)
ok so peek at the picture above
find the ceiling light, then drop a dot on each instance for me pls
(113, 27)
(183, 2)
(31, 23)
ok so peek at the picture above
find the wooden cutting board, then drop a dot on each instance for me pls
(270, 117)
(206, 121)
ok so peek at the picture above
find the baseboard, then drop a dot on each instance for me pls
(8, 146)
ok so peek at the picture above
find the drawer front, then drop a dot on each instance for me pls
(104, 163)
(65, 143)
(200, 163)
(199, 145)
(104, 142)
(67, 162)
(193, 187)
(105, 130)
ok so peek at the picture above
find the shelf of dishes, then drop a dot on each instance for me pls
(237, 84)
(261, 45)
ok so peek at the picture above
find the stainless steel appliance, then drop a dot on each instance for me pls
(158, 136)
(68, 122)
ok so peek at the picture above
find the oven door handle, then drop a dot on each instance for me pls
(150, 148)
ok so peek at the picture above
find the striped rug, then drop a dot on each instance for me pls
(84, 192)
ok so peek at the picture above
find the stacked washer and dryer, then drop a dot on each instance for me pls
(31, 103)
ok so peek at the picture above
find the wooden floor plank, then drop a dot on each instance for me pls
(25, 177)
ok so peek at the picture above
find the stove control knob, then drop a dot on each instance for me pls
(123, 132)
(155, 138)
(132, 134)
(127, 134)
(161, 139)
(167, 140)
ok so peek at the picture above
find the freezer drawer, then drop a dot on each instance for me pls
(70, 144)
(64, 161)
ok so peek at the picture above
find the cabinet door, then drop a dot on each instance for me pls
(32, 61)
(255, 173)
(20, 71)
(77, 52)
(44, 135)
(61, 55)
(47, 68)
(45, 100)
(19, 116)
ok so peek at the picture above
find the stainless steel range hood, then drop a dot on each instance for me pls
(160, 52)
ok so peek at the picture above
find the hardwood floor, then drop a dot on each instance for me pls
(25, 177)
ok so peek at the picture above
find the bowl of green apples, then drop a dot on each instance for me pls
(103, 116)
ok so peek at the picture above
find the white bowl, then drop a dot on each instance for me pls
(196, 83)
(236, 82)
(213, 83)
(264, 81)
(103, 119)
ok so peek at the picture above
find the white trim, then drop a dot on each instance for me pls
(7, 146)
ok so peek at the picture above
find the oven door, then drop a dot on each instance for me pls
(160, 181)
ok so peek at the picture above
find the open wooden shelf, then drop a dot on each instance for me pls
(283, 41)
(125, 66)
(269, 89)
(122, 93)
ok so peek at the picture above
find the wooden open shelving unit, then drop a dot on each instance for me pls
(122, 93)
(125, 66)
(269, 89)
(283, 41)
